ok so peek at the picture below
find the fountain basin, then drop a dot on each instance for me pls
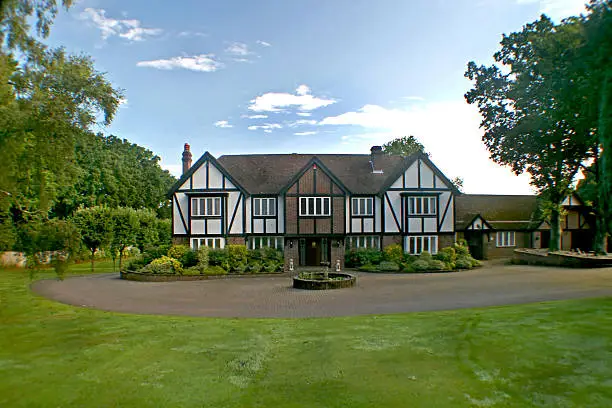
(317, 280)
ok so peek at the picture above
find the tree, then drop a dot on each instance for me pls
(124, 225)
(534, 120)
(94, 225)
(458, 183)
(403, 146)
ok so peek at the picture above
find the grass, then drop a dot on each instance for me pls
(555, 354)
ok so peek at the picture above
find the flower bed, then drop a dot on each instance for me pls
(183, 263)
(394, 260)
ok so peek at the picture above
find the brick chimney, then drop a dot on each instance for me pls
(375, 153)
(186, 158)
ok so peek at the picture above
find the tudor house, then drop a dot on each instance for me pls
(314, 207)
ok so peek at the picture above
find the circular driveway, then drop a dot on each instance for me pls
(374, 293)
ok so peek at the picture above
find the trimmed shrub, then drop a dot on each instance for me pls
(164, 265)
(178, 251)
(255, 255)
(388, 266)
(425, 256)
(136, 264)
(272, 254)
(192, 271)
(240, 267)
(357, 257)
(255, 267)
(394, 253)
(446, 255)
(189, 259)
(461, 249)
(218, 257)
(408, 268)
(420, 265)
(475, 263)
(463, 263)
(273, 266)
(153, 252)
(237, 255)
(369, 268)
(214, 270)
(202, 255)
(436, 265)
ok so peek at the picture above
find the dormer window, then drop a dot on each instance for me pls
(315, 206)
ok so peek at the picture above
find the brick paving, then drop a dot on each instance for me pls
(374, 293)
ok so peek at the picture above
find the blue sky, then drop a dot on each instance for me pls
(301, 76)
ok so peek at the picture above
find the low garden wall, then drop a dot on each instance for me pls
(148, 277)
(562, 259)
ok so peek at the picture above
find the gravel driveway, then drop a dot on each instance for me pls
(374, 293)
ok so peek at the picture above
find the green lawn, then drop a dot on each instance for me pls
(556, 354)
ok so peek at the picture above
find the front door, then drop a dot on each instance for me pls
(475, 243)
(313, 252)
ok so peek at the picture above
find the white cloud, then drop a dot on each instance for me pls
(267, 128)
(301, 122)
(239, 49)
(278, 101)
(192, 34)
(174, 169)
(200, 63)
(450, 132)
(223, 124)
(305, 114)
(558, 9)
(255, 116)
(413, 98)
(306, 133)
(129, 29)
(263, 43)
(302, 90)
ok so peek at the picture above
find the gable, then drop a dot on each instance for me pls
(315, 178)
(572, 200)
(205, 174)
(419, 172)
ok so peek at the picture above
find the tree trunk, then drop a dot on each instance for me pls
(121, 257)
(555, 228)
(93, 251)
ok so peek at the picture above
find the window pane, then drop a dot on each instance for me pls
(426, 244)
(411, 207)
(257, 206)
(303, 206)
(311, 206)
(418, 205)
(425, 206)
(319, 210)
(201, 206)
(512, 238)
(412, 246)
(218, 207)
(369, 210)
(194, 206)
(432, 205)
(419, 245)
(264, 207)
(272, 206)
(434, 245)
(195, 244)
(326, 206)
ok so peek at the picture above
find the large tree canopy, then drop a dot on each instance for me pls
(403, 146)
(538, 109)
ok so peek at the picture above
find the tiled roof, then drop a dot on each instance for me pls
(270, 173)
(512, 212)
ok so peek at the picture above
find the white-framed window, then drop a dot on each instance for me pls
(422, 205)
(213, 243)
(263, 242)
(264, 207)
(362, 206)
(365, 241)
(505, 238)
(315, 206)
(208, 206)
(417, 244)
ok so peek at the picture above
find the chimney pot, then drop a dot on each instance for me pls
(186, 158)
